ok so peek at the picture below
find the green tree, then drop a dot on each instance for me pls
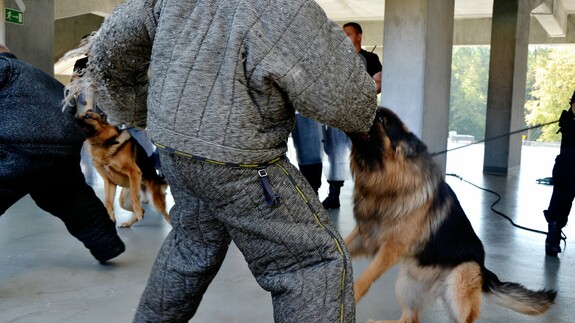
(469, 76)
(552, 80)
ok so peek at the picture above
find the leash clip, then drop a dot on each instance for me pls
(272, 199)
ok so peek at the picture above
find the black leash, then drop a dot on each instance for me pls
(563, 236)
(496, 137)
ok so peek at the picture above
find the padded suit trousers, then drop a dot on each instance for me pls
(292, 249)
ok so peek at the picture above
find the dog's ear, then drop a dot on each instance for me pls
(402, 140)
(412, 146)
(393, 126)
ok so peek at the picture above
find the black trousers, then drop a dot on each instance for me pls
(563, 190)
(57, 186)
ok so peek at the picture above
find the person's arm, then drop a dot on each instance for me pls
(119, 60)
(327, 81)
(374, 68)
(377, 79)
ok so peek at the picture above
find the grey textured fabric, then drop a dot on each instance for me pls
(226, 75)
(222, 80)
(293, 251)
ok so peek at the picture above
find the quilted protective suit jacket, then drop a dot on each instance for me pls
(222, 79)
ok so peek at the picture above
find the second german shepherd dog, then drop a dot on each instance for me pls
(406, 213)
(121, 161)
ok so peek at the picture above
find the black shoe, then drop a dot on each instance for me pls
(332, 199)
(553, 240)
(331, 202)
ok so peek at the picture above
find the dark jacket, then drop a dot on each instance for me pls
(31, 117)
(372, 64)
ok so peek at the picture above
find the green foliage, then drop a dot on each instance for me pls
(469, 76)
(552, 80)
(550, 84)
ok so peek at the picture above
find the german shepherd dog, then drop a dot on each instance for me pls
(121, 161)
(406, 213)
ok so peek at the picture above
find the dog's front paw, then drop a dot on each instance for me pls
(126, 224)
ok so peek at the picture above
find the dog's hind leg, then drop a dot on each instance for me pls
(144, 193)
(110, 195)
(135, 176)
(463, 292)
(126, 204)
(159, 198)
(411, 293)
(125, 200)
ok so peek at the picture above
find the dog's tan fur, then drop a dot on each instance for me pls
(114, 157)
(401, 201)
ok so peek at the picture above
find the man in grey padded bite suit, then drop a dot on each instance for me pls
(225, 79)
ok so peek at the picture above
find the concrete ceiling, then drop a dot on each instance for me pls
(361, 10)
(338, 10)
(551, 14)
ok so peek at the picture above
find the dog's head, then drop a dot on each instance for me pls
(91, 122)
(388, 139)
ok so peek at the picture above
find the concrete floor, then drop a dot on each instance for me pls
(47, 276)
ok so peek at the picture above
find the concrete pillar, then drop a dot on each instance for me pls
(33, 41)
(2, 32)
(506, 87)
(418, 41)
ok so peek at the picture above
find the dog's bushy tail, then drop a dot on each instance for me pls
(516, 296)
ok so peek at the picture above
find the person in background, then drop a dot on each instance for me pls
(563, 182)
(40, 155)
(216, 85)
(307, 138)
(336, 143)
(371, 60)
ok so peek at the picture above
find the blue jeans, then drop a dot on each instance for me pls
(337, 147)
(307, 140)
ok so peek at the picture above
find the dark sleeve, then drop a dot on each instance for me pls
(566, 121)
(372, 61)
(5, 72)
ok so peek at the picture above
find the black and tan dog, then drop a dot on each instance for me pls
(406, 213)
(121, 161)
